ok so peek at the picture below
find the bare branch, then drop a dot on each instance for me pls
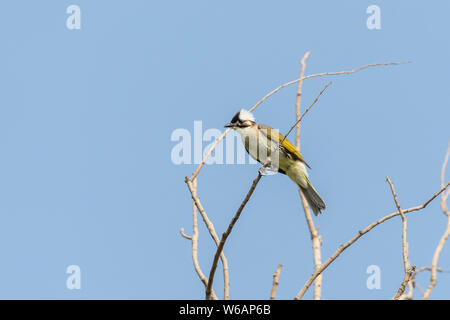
(428, 269)
(299, 94)
(315, 237)
(297, 123)
(359, 235)
(405, 245)
(446, 194)
(322, 75)
(407, 279)
(208, 154)
(316, 244)
(355, 70)
(446, 234)
(184, 235)
(276, 276)
(226, 234)
(212, 232)
(194, 239)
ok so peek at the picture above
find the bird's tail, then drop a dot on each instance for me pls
(315, 202)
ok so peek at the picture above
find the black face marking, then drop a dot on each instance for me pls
(236, 118)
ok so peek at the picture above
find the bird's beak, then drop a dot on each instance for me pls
(229, 125)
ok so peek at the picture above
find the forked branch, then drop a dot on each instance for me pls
(359, 235)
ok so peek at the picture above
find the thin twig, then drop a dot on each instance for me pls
(212, 232)
(407, 279)
(359, 235)
(429, 269)
(446, 234)
(355, 70)
(306, 111)
(276, 276)
(226, 234)
(202, 163)
(184, 235)
(299, 94)
(322, 75)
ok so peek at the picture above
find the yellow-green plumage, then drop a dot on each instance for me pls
(266, 144)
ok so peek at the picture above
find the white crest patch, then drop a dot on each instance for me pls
(246, 115)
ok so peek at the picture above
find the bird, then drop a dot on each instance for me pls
(270, 148)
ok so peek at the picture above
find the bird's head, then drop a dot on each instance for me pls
(242, 119)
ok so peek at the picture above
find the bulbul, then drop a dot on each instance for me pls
(275, 152)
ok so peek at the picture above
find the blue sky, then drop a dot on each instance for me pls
(86, 116)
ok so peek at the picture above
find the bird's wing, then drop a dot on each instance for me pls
(286, 146)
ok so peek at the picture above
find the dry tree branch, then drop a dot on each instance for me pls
(446, 234)
(276, 276)
(299, 95)
(359, 235)
(406, 262)
(315, 237)
(202, 163)
(226, 234)
(184, 235)
(297, 123)
(406, 280)
(322, 75)
(446, 194)
(194, 240)
(316, 244)
(355, 70)
(428, 269)
(212, 232)
(405, 245)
